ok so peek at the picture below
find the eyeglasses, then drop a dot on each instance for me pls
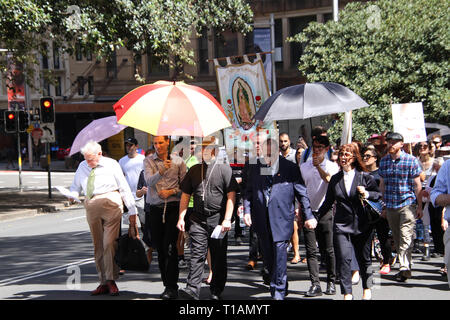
(436, 142)
(423, 146)
(367, 156)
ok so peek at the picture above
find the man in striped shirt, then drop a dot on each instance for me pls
(400, 185)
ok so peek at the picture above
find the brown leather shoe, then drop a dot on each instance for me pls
(101, 289)
(112, 287)
(251, 265)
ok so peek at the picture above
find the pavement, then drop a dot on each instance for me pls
(15, 203)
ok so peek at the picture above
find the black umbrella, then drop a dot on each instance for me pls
(309, 100)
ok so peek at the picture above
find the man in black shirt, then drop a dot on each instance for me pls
(214, 189)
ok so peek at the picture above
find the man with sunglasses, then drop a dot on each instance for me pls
(317, 173)
(400, 186)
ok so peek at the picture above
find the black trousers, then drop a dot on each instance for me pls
(254, 250)
(324, 232)
(344, 243)
(382, 228)
(164, 236)
(200, 236)
(436, 230)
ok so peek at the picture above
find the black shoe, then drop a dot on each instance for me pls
(314, 291)
(436, 255)
(187, 294)
(215, 296)
(169, 294)
(400, 277)
(426, 254)
(266, 279)
(331, 289)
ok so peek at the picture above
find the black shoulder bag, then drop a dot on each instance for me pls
(371, 208)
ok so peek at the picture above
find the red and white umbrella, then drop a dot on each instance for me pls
(171, 108)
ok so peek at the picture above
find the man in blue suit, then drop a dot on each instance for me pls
(273, 184)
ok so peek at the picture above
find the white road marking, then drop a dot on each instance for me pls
(76, 218)
(44, 272)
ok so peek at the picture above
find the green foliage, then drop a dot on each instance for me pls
(162, 26)
(387, 52)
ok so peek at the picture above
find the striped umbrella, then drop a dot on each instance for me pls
(171, 108)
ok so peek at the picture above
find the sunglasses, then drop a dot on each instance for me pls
(423, 146)
(346, 154)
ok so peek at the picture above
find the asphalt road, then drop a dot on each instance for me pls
(33, 180)
(50, 257)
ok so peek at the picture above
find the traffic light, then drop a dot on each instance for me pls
(47, 110)
(23, 121)
(10, 122)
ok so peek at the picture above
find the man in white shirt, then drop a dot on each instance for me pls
(102, 181)
(132, 164)
(317, 173)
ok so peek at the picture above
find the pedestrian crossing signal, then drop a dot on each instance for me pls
(47, 110)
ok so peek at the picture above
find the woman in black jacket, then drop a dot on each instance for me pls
(351, 225)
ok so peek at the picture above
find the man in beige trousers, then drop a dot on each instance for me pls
(106, 189)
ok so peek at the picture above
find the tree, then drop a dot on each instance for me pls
(162, 26)
(387, 52)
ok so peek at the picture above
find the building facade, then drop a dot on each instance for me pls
(86, 88)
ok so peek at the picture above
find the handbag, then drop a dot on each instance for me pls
(372, 209)
(130, 254)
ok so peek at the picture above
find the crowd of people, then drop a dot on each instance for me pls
(317, 195)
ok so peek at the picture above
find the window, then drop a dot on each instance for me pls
(111, 66)
(154, 66)
(226, 45)
(90, 82)
(45, 58)
(46, 87)
(80, 82)
(203, 64)
(279, 40)
(297, 24)
(55, 56)
(88, 54)
(78, 51)
(58, 87)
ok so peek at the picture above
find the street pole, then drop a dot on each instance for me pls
(28, 106)
(48, 170)
(19, 160)
(272, 49)
(346, 136)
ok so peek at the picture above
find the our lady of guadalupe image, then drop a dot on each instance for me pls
(244, 104)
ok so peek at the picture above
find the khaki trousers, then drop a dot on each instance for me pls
(104, 215)
(447, 252)
(402, 222)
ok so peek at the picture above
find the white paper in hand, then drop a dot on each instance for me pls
(217, 233)
(67, 193)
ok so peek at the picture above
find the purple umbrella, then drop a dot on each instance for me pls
(97, 130)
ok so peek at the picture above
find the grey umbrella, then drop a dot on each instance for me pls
(309, 100)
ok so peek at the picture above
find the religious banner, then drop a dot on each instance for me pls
(242, 89)
(409, 121)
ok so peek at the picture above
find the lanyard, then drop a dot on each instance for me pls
(205, 186)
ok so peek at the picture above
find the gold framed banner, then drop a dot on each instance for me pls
(242, 89)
